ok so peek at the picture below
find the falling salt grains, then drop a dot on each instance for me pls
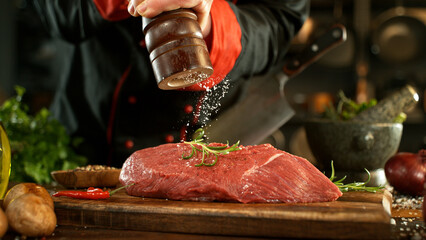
(212, 100)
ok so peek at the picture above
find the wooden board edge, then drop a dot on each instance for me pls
(228, 226)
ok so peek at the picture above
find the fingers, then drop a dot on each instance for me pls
(203, 13)
(131, 7)
(151, 8)
(205, 24)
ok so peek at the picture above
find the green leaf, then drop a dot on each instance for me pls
(400, 118)
(39, 143)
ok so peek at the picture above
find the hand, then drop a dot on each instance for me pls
(151, 8)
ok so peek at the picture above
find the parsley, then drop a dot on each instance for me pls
(39, 143)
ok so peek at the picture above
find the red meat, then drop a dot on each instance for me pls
(254, 174)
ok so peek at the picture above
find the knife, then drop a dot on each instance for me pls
(265, 108)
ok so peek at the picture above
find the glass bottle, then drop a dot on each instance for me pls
(5, 161)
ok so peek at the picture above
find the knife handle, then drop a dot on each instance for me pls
(316, 49)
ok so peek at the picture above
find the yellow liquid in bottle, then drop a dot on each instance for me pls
(5, 161)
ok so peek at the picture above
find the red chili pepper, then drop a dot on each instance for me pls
(91, 193)
(92, 189)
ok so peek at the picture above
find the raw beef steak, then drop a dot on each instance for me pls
(253, 174)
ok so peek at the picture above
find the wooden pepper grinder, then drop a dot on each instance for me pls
(178, 52)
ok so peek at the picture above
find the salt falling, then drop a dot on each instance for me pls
(211, 102)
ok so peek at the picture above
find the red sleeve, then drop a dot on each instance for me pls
(225, 45)
(112, 10)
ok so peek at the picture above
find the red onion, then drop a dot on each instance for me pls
(406, 172)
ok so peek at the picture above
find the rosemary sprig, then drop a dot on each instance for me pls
(355, 186)
(198, 144)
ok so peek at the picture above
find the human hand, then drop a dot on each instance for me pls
(151, 8)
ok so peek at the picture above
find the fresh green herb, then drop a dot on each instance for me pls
(400, 118)
(39, 144)
(355, 186)
(197, 144)
(346, 108)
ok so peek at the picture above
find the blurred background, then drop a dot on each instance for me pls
(384, 51)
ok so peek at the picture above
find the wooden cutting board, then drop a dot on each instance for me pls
(356, 215)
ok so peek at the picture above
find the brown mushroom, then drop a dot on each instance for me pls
(23, 188)
(3, 223)
(30, 216)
